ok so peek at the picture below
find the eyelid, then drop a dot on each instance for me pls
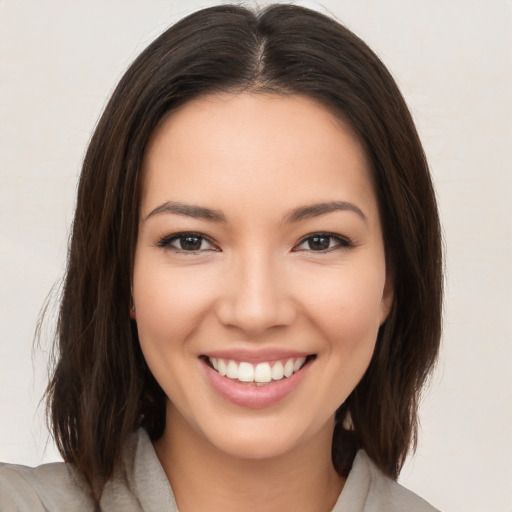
(343, 242)
(165, 242)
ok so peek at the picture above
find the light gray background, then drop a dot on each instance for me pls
(59, 60)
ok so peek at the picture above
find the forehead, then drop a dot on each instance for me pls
(257, 147)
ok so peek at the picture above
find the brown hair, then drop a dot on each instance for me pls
(101, 389)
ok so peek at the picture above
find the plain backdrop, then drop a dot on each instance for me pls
(59, 61)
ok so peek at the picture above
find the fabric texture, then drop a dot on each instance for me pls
(142, 486)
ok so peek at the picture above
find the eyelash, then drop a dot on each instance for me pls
(340, 242)
(167, 241)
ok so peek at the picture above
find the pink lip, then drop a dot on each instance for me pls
(250, 395)
(258, 356)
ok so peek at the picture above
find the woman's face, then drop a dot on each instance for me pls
(259, 282)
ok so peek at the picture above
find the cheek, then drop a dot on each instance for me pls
(348, 315)
(169, 304)
(346, 304)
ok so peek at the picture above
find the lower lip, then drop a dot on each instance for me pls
(251, 395)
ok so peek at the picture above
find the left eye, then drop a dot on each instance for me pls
(321, 242)
(186, 242)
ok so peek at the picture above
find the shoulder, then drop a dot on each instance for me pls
(367, 489)
(49, 487)
(387, 495)
(139, 483)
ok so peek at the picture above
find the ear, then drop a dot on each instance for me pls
(388, 296)
(132, 304)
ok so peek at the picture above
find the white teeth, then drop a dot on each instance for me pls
(297, 365)
(245, 372)
(277, 371)
(261, 374)
(288, 368)
(232, 370)
(222, 367)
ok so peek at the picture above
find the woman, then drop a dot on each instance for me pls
(253, 294)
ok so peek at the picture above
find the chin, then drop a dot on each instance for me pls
(265, 438)
(254, 447)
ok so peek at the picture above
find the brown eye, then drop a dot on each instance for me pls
(319, 243)
(187, 242)
(322, 242)
(190, 243)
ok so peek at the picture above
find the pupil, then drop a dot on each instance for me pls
(190, 243)
(319, 243)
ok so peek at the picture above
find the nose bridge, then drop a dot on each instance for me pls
(256, 297)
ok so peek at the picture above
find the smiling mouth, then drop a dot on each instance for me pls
(260, 374)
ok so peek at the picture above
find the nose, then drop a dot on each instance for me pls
(256, 297)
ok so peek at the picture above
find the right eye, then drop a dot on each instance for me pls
(187, 243)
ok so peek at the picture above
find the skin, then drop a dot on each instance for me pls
(256, 283)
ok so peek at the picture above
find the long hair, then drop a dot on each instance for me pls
(102, 389)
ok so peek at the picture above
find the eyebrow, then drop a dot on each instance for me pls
(315, 210)
(197, 212)
(296, 215)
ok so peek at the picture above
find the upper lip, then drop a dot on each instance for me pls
(256, 355)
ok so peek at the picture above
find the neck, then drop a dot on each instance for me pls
(204, 478)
